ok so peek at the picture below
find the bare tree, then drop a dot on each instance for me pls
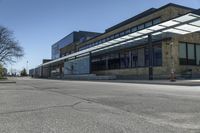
(10, 50)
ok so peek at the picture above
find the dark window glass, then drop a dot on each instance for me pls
(128, 31)
(98, 63)
(141, 57)
(124, 60)
(116, 35)
(140, 27)
(156, 21)
(146, 57)
(198, 54)
(157, 55)
(182, 54)
(134, 58)
(114, 61)
(122, 33)
(112, 37)
(187, 54)
(134, 29)
(148, 24)
(191, 54)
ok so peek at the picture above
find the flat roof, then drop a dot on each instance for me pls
(145, 13)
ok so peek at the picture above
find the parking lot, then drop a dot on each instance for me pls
(58, 106)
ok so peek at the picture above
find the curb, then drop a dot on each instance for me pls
(7, 82)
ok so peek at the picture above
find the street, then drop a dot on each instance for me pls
(59, 106)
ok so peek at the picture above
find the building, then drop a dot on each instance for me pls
(63, 47)
(155, 44)
(71, 39)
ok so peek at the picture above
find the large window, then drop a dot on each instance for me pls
(114, 61)
(182, 54)
(124, 60)
(99, 63)
(187, 54)
(129, 58)
(198, 54)
(134, 58)
(146, 56)
(157, 55)
(191, 54)
(141, 57)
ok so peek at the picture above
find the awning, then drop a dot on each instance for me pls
(182, 25)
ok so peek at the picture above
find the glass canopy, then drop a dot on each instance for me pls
(182, 25)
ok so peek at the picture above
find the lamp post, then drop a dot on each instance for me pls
(27, 68)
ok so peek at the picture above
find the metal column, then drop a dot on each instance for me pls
(150, 57)
(90, 63)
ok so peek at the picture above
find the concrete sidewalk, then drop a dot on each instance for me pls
(160, 82)
(6, 81)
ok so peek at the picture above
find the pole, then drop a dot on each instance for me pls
(27, 67)
(150, 57)
(172, 77)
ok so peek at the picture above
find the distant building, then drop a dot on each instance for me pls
(74, 37)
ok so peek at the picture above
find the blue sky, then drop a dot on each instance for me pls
(38, 24)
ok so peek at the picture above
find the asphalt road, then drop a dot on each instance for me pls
(53, 106)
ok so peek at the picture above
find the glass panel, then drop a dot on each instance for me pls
(98, 63)
(124, 60)
(191, 54)
(146, 57)
(191, 51)
(114, 61)
(156, 21)
(141, 27)
(148, 24)
(141, 58)
(122, 33)
(185, 18)
(134, 58)
(134, 29)
(198, 54)
(128, 31)
(157, 55)
(182, 50)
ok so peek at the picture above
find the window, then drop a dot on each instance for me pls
(187, 54)
(140, 27)
(191, 54)
(141, 58)
(98, 63)
(116, 35)
(134, 58)
(157, 55)
(122, 33)
(112, 37)
(127, 31)
(124, 60)
(198, 54)
(108, 38)
(182, 54)
(146, 52)
(156, 21)
(148, 24)
(114, 61)
(134, 29)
